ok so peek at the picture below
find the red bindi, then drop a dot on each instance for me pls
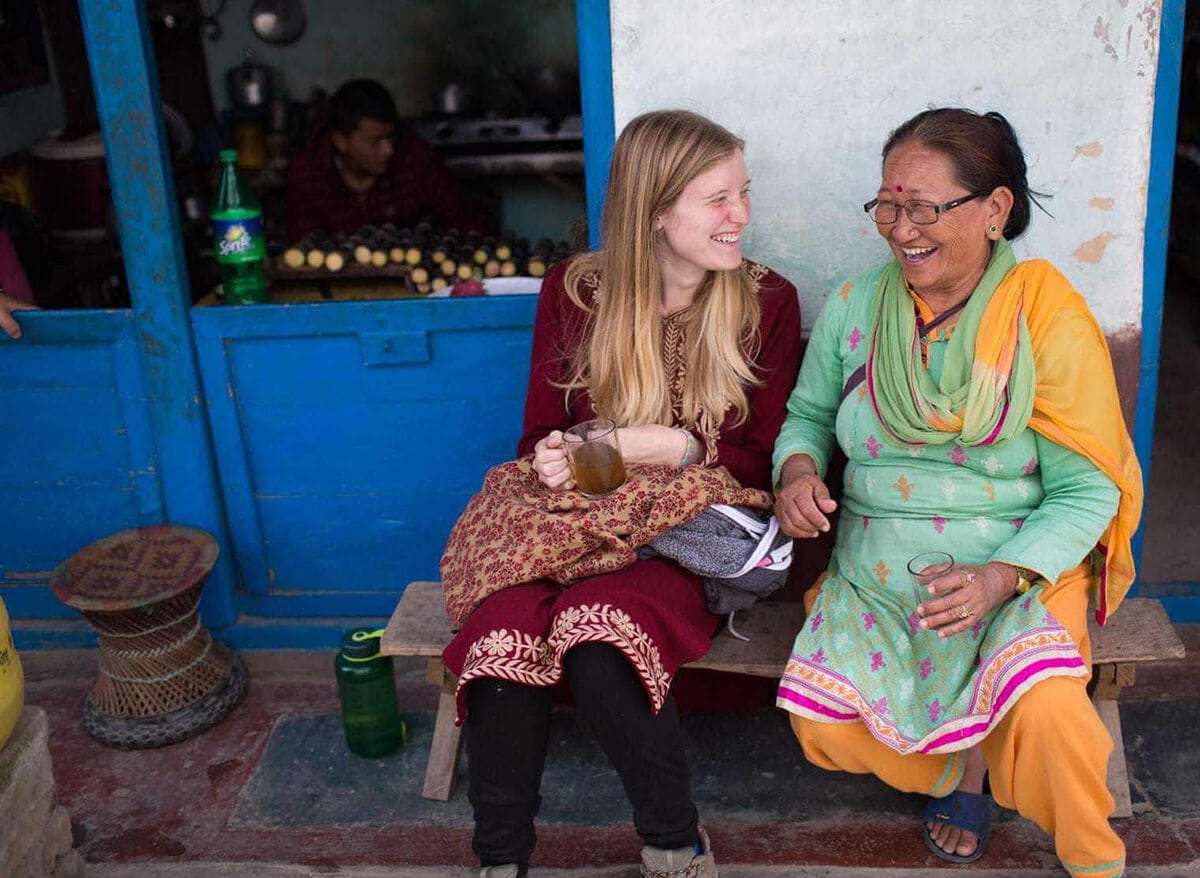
(899, 188)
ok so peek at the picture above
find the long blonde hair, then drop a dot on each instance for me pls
(621, 364)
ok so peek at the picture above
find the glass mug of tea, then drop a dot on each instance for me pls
(595, 457)
(925, 568)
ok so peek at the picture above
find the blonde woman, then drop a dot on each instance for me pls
(692, 350)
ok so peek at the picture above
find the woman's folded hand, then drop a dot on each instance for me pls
(7, 322)
(551, 464)
(965, 595)
(802, 501)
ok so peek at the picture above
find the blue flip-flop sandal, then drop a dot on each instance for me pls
(967, 811)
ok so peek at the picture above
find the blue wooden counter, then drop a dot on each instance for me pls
(348, 438)
(350, 435)
(80, 461)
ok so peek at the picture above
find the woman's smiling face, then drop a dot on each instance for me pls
(943, 260)
(702, 230)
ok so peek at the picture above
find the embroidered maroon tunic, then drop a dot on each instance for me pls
(653, 611)
(415, 183)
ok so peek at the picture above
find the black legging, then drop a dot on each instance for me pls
(508, 727)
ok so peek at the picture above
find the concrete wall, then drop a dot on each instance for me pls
(815, 87)
(28, 115)
(412, 47)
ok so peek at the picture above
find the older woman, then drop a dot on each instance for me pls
(975, 400)
(692, 351)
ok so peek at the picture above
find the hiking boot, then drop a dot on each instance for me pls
(680, 862)
(508, 870)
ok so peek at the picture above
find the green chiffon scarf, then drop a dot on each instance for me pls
(986, 391)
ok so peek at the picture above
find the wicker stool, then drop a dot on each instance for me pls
(162, 678)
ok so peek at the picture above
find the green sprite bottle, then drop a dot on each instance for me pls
(238, 237)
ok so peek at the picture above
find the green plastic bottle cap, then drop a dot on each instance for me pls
(229, 155)
(361, 643)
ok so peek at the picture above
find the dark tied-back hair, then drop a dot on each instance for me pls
(984, 152)
(360, 99)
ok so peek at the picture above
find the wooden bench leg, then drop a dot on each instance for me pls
(1110, 680)
(441, 773)
(1118, 774)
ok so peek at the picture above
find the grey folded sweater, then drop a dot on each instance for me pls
(741, 556)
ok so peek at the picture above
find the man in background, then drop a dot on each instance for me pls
(364, 169)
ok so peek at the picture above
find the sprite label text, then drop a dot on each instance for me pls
(238, 240)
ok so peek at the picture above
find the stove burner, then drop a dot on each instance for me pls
(541, 131)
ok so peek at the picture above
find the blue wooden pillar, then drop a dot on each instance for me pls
(126, 83)
(596, 91)
(1158, 226)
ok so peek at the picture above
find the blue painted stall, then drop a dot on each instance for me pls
(350, 435)
(111, 402)
(80, 443)
(329, 447)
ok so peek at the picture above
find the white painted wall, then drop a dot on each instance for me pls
(815, 86)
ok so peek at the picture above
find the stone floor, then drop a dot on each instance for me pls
(272, 791)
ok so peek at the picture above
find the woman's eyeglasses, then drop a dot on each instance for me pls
(923, 213)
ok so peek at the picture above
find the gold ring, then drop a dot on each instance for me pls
(963, 579)
(964, 612)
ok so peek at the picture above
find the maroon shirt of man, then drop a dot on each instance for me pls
(415, 183)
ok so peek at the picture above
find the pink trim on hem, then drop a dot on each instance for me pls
(950, 739)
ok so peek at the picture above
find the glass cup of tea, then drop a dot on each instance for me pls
(925, 568)
(595, 457)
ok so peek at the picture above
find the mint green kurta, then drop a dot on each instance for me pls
(1029, 502)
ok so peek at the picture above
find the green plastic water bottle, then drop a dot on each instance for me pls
(367, 686)
(238, 237)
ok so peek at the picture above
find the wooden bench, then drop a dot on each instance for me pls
(1140, 632)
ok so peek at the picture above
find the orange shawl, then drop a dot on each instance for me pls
(1076, 402)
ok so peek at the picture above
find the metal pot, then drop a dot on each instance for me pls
(249, 84)
(551, 91)
(278, 22)
(453, 99)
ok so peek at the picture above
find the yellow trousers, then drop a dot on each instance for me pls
(1047, 759)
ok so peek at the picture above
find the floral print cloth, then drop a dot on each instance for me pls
(516, 530)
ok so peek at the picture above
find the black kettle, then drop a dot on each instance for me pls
(249, 84)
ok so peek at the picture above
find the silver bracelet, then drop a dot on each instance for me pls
(690, 451)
